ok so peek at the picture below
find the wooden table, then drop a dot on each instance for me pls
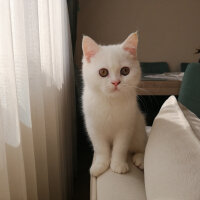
(159, 87)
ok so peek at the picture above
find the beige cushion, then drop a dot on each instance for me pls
(112, 186)
(172, 158)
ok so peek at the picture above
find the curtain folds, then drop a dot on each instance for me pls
(37, 105)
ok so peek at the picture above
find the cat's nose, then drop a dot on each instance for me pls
(116, 83)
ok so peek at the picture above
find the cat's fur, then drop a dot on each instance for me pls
(113, 120)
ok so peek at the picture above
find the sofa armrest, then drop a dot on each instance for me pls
(115, 186)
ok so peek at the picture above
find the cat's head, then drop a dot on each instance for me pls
(113, 69)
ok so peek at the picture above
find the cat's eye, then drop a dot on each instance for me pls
(103, 72)
(124, 71)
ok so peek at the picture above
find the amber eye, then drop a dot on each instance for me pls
(124, 71)
(103, 72)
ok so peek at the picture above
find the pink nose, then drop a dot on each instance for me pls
(116, 83)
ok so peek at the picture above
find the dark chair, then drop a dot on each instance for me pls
(184, 66)
(154, 67)
(189, 94)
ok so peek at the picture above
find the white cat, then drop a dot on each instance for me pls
(113, 120)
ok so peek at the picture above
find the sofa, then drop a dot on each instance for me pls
(172, 155)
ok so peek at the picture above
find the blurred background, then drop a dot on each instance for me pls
(168, 30)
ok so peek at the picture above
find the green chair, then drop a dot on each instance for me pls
(184, 66)
(154, 67)
(189, 94)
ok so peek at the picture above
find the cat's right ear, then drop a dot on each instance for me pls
(90, 47)
(130, 44)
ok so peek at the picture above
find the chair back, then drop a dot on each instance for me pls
(184, 66)
(154, 67)
(189, 94)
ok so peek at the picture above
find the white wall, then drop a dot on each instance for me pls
(169, 30)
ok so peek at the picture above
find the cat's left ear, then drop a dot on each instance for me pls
(90, 48)
(131, 43)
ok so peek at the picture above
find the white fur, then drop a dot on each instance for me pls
(113, 120)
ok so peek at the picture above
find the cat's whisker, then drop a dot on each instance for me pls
(138, 96)
(134, 86)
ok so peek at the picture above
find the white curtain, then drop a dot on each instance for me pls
(36, 100)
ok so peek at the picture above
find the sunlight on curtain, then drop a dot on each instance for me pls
(37, 102)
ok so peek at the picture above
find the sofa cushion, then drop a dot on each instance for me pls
(172, 157)
(113, 186)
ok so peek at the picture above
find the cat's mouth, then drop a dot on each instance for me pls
(115, 89)
(112, 90)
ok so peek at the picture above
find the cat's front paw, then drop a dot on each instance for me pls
(119, 167)
(99, 168)
(138, 160)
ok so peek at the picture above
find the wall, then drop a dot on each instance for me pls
(168, 30)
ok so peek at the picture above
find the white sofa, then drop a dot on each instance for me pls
(114, 186)
(172, 162)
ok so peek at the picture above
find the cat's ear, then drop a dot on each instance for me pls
(90, 47)
(130, 44)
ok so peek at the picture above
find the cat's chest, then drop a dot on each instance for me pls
(109, 113)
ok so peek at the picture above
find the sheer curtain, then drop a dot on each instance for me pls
(37, 121)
